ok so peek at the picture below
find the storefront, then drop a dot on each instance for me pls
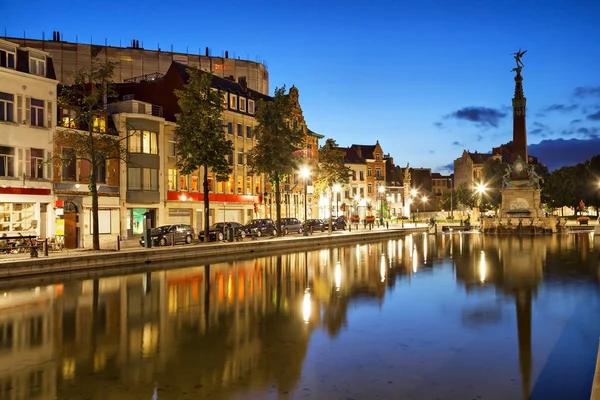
(26, 211)
(135, 220)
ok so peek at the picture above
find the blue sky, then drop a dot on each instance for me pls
(427, 78)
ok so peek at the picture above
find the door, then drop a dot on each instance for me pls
(70, 230)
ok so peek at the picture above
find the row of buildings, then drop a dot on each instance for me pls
(42, 195)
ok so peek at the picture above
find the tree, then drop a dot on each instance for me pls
(331, 171)
(463, 195)
(279, 139)
(493, 170)
(199, 137)
(446, 201)
(87, 134)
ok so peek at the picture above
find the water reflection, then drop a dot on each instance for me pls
(259, 327)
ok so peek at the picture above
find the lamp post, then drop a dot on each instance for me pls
(305, 173)
(381, 194)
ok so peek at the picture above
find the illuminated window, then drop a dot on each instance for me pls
(251, 106)
(183, 183)
(248, 185)
(68, 118)
(225, 100)
(233, 101)
(194, 183)
(242, 104)
(135, 141)
(149, 145)
(240, 185)
(100, 123)
(172, 180)
(17, 217)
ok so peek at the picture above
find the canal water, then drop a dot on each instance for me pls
(454, 316)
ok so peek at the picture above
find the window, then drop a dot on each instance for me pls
(134, 179)
(230, 159)
(240, 156)
(99, 123)
(69, 164)
(150, 179)
(248, 132)
(37, 64)
(221, 123)
(143, 142)
(233, 101)
(171, 147)
(17, 217)
(251, 106)
(183, 183)
(353, 175)
(248, 185)
(230, 128)
(101, 173)
(242, 104)
(353, 192)
(36, 169)
(225, 100)
(240, 182)
(172, 180)
(362, 175)
(370, 188)
(8, 56)
(369, 171)
(36, 114)
(240, 130)
(362, 192)
(378, 172)
(377, 157)
(210, 184)
(7, 106)
(7, 161)
(67, 118)
(194, 183)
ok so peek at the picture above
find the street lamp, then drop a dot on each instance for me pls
(480, 189)
(305, 173)
(381, 191)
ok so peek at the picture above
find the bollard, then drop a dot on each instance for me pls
(118, 242)
(349, 227)
(387, 225)
(172, 239)
(46, 247)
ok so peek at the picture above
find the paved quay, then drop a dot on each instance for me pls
(132, 254)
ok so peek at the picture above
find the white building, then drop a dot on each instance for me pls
(27, 121)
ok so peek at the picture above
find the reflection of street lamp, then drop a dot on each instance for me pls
(305, 173)
(336, 189)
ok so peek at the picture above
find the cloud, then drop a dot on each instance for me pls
(575, 121)
(479, 138)
(455, 143)
(585, 91)
(560, 107)
(589, 133)
(483, 116)
(538, 132)
(431, 151)
(594, 117)
(446, 168)
(556, 153)
(438, 125)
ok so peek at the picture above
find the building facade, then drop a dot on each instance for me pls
(468, 169)
(27, 120)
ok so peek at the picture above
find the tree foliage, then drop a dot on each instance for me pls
(331, 171)
(200, 140)
(279, 140)
(463, 196)
(493, 170)
(86, 133)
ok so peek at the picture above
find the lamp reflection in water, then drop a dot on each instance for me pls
(337, 275)
(415, 259)
(306, 306)
(482, 267)
(382, 268)
(424, 248)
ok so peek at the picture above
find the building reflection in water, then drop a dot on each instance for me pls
(242, 326)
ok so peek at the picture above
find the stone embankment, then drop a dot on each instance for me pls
(83, 261)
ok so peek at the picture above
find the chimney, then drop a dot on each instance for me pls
(243, 83)
(206, 51)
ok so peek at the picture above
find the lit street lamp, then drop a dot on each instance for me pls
(305, 173)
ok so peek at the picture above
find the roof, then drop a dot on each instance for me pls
(479, 158)
(315, 134)
(351, 156)
(364, 151)
(225, 84)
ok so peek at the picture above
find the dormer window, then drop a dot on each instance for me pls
(8, 56)
(377, 157)
(37, 64)
(233, 101)
(242, 104)
(225, 95)
(250, 106)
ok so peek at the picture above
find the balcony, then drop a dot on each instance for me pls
(135, 107)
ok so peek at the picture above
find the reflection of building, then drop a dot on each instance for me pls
(27, 121)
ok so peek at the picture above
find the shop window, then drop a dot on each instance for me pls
(17, 217)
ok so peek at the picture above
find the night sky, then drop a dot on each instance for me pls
(428, 79)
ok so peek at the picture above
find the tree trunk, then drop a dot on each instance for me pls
(94, 190)
(206, 205)
(277, 204)
(330, 209)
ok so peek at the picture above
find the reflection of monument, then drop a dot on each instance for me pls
(521, 209)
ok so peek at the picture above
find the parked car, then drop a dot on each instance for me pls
(315, 225)
(337, 223)
(261, 227)
(217, 231)
(165, 234)
(291, 225)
